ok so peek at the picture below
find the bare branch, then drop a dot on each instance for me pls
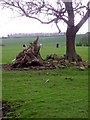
(83, 20)
(75, 9)
(64, 11)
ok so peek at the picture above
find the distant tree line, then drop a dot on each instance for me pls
(20, 35)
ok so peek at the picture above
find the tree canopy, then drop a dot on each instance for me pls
(51, 11)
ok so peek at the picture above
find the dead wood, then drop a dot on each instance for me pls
(29, 57)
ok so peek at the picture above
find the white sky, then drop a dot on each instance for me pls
(10, 24)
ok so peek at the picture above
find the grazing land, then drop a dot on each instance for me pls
(59, 93)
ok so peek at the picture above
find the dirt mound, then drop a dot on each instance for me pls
(50, 63)
(61, 62)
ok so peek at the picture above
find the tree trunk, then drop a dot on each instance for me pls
(70, 45)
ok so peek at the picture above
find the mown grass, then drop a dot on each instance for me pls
(60, 93)
(65, 95)
(46, 41)
(50, 41)
(14, 46)
(10, 52)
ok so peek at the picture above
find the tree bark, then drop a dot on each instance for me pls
(70, 44)
(70, 35)
(71, 54)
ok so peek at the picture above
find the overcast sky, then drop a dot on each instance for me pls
(10, 24)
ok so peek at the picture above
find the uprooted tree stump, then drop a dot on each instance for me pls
(29, 56)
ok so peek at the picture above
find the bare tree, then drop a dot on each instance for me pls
(54, 11)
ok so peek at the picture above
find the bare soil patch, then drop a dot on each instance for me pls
(6, 108)
(50, 64)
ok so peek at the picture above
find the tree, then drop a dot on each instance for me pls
(55, 11)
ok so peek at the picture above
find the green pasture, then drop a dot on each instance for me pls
(10, 52)
(59, 93)
(65, 95)
(14, 46)
(46, 41)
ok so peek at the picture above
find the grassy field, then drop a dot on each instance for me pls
(14, 46)
(46, 41)
(10, 52)
(65, 95)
